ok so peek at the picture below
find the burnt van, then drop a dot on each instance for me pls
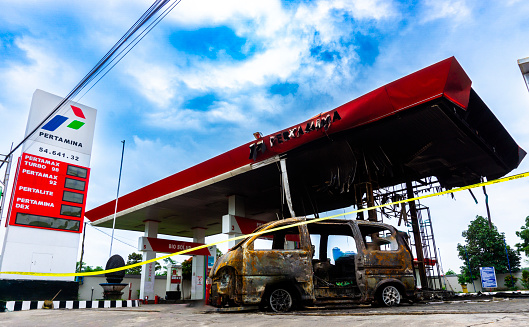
(296, 262)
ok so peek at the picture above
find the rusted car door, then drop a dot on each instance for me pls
(284, 257)
(382, 256)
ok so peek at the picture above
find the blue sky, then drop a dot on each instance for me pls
(214, 72)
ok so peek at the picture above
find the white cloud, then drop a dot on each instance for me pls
(454, 9)
(286, 38)
(268, 15)
(153, 81)
(176, 119)
(44, 69)
(279, 61)
(227, 112)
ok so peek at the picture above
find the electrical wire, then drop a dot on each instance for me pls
(114, 55)
(117, 239)
(133, 44)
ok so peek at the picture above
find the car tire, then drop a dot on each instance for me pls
(281, 300)
(389, 296)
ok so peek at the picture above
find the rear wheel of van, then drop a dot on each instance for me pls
(388, 296)
(280, 300)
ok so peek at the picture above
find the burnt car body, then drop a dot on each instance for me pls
(293, 265)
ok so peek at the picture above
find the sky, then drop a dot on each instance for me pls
(213, 72)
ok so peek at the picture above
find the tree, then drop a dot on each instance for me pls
(524, 235)
(485, 248)
(187, 268)
(167, 262)
(85, 268)
(136, 258)
(89, 268)
(132, 259)
(450, 272)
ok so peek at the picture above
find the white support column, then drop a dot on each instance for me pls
(286, 187)
(524, 68)
(148, 270)
(235, 208)
(198, 272)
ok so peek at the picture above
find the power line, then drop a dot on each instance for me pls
(116, 53)
(117, 239)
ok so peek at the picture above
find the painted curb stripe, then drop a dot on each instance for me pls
(34, 305)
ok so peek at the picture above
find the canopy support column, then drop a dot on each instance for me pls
(148, 270)
(235, 209)
(198, 268)
(417, 236)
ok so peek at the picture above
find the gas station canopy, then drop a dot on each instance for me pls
(427, 124)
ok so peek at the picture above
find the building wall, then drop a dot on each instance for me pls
(160, 282)
(500, 278)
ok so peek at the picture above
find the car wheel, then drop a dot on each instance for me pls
(280, 300)
(389, 296)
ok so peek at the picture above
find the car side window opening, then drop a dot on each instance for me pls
(332, 241)
(340, 246)
(335, 250)
(378, 238)
(285, 239)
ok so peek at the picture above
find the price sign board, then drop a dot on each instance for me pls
(49, 194)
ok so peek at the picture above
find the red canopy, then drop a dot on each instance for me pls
(429, 123)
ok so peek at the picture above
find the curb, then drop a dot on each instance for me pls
(31, 305)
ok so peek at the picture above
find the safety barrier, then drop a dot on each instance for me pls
(308, 221)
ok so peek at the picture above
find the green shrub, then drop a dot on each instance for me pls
(525, 279)
(510, 281)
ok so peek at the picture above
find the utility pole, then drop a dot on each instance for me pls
(117, 196)
(82, 249)
(7, 159)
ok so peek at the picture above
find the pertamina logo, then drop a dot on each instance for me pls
(58, 120)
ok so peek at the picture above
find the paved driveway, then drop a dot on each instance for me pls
(500, 312)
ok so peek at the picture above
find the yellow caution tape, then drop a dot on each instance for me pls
(93, 273)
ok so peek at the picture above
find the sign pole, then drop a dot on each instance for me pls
(9, 159)
(507, 255)
(117, 196)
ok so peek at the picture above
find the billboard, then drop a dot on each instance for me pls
(48, 201)
(488, 277)
(52, 174)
